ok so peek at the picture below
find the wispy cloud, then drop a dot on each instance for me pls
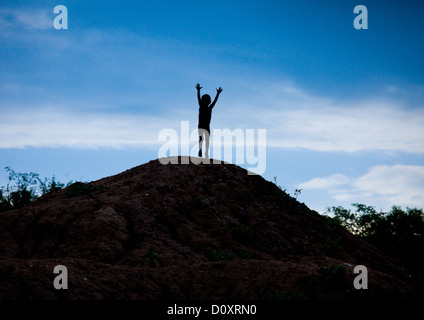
(294, 119)
(61, 127)
(400, 184)
(332, 181)
(382, 186)
(33, 19)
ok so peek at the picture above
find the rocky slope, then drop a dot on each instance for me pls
(185, 232)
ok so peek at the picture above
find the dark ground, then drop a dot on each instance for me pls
(189, 232)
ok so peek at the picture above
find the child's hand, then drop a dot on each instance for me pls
(198, 87)
(219, 90)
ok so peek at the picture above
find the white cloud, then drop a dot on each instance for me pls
(60, 127)
(400, 184)
(294, 119)
(349, 129)
(382, 186)
(37, 19)
(325, 183)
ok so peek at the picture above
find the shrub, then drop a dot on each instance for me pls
(24, 188)
(400, 233)
(4, 203)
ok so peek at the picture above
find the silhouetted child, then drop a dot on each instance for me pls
(205, 114)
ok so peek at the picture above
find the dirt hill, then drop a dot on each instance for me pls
(185, 232)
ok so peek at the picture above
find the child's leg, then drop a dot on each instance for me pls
(207, 144)
(200, 141)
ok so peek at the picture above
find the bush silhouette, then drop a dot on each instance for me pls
(4, 202)
(24, 188)
(400, 233)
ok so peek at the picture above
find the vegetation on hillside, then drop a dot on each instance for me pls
(24, 188)
(399, 233)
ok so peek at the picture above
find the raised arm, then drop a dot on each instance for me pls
(218, 91)
(198, 87)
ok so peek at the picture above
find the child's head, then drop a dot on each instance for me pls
(206, 99)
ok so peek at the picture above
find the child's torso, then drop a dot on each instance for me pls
(205, 114)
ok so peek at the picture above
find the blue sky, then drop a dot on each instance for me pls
(343, 108)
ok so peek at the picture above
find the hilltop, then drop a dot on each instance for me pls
(185, 231)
